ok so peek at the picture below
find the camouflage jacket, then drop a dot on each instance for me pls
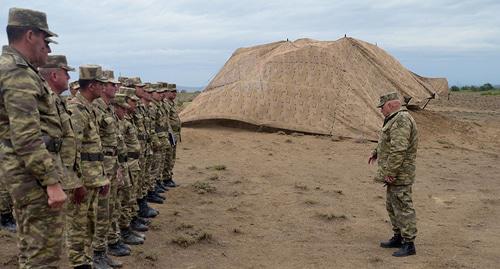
(86, 129)
(132, 142)
(108, 131)
(143, 123)
(27, 113)
(175, 120)
(69, 156)
(123, 153)
(156, 130)
(397, 148)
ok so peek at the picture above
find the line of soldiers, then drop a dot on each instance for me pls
(84, 167)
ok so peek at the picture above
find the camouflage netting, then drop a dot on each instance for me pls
(323, 87)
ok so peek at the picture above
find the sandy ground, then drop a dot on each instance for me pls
(266, 200)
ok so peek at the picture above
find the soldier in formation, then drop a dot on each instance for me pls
(81, 167)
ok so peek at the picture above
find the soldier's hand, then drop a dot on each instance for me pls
(79, 195)
(389, 179)
(57, 197)
(103, 191)
(372, 158)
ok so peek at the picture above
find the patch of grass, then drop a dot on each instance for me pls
(217, 167)
(192, 167)
(301, 186)
(213, 177)
(331, 216)
(192, 237)
(288, 141)
(204, 187)
(311, 202)
(491, 93)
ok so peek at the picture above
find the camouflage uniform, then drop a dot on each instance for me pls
(108, 131)
(396, 153)
(175, 123)
(159, 138)
(5, 201)
(86, 128)
(29, 160)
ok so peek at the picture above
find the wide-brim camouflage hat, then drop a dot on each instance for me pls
(29, 18)
(57, 61)
(92, 72)
(387, 97)
(121, 100)
(110, 76)
(129, 92)
(136, 81)
(172, 87)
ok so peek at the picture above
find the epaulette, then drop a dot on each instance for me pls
(20, 61)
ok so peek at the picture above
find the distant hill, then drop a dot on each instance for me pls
(190, 88)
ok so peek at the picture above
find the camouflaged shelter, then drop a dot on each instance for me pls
(321, 87)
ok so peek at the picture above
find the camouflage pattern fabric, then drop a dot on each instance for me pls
(28, 112)
(397, 148)
(108, 132)
(80, 225)
(134, 150)
(175, 122)
(5, 201)
(159, 136)
(69, 156)
(396, 156)
(143, 123)
(401, 212)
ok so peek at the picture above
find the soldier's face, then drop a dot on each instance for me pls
(62, 79)
(109, 90)
(40, 47)
(132, 104)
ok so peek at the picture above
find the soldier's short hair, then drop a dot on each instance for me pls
(85, 83)
(15, 33)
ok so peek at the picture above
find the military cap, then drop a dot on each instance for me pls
(57, 61)
(123, 80)
(50, 40)
(92, 72)
(128, 92)
(110, 76)
(74, 85)
(388, 97)
(29, 18)
(121, 100)
(172, 87)
(136, 81)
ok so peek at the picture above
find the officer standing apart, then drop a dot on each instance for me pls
(396, 153)
(30, 131)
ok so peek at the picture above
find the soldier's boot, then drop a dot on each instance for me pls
(144, 221)
(407, 249)
(129, 238)
(395, 242)
(157, 194)
(84, 266)
(152, 198)
(160, 188)
(100, 260)
(170, 183)
(8, 222)
(138, 234)
(119, 249)
(144, 210)
(113, 263)
(137, 225)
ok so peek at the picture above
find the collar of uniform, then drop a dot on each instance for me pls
(18, 57)
(83, 101)
(99, 102)
(393, 114)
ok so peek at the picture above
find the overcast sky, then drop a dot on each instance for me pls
(188, 41)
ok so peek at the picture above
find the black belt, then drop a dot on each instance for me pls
(91, 157)
(133, 155)
(122, 158)
(160, 129)
(51, 144)
(110, 151)
(142, 136)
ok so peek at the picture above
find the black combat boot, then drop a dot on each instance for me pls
(138, 234)
(170, 183)
(144, 210)
(144, 221)
(160, 188)
(395, 242)
(137, 225)
(407, 249)
(100, 260)
(112, 263)
(152, 198)
(129, 238)
(8, 222)
(119, 249)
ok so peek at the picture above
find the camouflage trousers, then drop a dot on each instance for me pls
(156, 166)
(401, 212)
(132, 205)
(113, 232)
(146, 174)
(39, 227)
(5, 202)
(167, 164)
(80, 225)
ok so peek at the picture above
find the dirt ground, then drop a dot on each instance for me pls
(268, 200)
